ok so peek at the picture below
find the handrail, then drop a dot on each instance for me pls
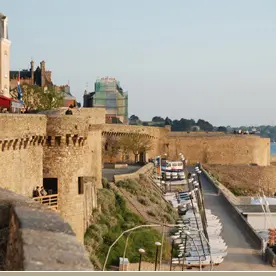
(50, 200)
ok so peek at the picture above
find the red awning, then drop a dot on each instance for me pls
(5, 102)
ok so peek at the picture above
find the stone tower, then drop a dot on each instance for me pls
(42, 67)
(4, 57)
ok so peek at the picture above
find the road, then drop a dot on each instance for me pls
(109, 173)
(241, 255)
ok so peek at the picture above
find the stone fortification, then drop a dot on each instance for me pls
(21, 152)
(72, 155)
(224, 149)
(68, 150)
(37, 239)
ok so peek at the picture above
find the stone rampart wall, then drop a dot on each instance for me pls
(22, 138)
(228, 149)
(37, 239)
(144, 170)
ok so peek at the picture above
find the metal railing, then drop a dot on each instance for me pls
(50, 200)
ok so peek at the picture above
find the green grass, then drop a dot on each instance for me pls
(114, 218)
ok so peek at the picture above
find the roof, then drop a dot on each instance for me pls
(255, 208)
(23, 74)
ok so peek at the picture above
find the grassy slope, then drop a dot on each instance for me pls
(117, 214)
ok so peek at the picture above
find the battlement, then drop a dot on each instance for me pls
(21, 143)
(66, 140)
(153, 132)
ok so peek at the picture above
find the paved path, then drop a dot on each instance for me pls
(241, 256)
(109, 173)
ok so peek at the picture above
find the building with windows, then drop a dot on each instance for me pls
(39, 76)
(4, 57)
(109, 94)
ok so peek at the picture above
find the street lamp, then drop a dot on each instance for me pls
(172, 255)
(187, 233)
(141, 251)
(156, 256)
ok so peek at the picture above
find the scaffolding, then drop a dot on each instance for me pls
(110, 95)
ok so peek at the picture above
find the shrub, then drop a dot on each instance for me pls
(142, 176)
(151, 213)
(130, 185)
(105, 183)
(154, 200)
(143, 200)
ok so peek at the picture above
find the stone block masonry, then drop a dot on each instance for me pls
(38, 239)
(21, 152)
(67, 150)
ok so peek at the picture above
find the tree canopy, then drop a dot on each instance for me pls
(36, 98)
(135, 143)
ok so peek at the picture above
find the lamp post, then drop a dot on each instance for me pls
(199, 257)
(171, 255)
(184, 253)
(141, 251)
(156, 255)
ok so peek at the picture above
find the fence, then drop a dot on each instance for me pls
(50, 200)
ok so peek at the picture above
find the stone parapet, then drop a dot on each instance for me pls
(144, 170)
(38, 239)
(22, 125)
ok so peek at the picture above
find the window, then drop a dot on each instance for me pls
(80, 186)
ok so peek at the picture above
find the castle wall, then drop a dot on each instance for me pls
(224, 149)
(21, 151)
(73, 150)
(157, 135)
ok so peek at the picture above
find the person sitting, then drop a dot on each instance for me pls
(36, 192)
(43, 191)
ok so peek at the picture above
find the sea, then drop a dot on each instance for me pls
(272, 148)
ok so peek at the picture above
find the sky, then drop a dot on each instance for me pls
(201, 59)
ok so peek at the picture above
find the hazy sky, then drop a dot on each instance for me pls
(210, 59)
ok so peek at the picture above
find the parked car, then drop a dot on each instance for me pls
(168, 175)
(181, 175)
(174, 175)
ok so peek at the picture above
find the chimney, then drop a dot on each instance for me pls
(32, 72)
(42, 67)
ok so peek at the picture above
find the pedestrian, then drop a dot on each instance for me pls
(43, 191)
(36, 192)
(69, 111)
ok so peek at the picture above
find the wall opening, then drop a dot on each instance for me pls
(50, 185)
(48, 141)
(80, 186)
(57, 140)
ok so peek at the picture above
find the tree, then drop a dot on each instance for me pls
(168, 121)
(222, 129)
(111, 147)
(134, 118)
(30, 96)
(50, 99)
(157, 119)
(136, 143)
(182, 124)
(204, 125)
(36, 98)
